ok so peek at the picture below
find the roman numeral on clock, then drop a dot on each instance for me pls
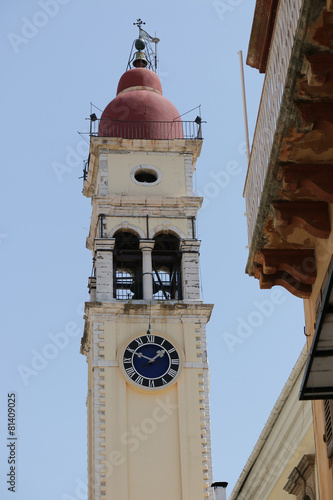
(172, 373)
(151, 383)
(151, 338)
(139, 380)
(130, 371)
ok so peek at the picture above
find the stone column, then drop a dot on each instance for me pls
(146, 246)
(92, 288)
(190, 269)
(103, 248)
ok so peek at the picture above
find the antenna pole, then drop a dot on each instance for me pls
(90, 129)
(156, 57)
(244, 107)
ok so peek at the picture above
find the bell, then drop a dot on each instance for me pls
(140, 60)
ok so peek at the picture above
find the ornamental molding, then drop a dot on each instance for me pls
(176, 311)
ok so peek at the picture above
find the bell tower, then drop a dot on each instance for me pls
(145, 324)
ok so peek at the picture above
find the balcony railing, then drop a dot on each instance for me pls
(176, 129)
(277, 67)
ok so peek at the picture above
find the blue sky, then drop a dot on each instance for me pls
(58, 56)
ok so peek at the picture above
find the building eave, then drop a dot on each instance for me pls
(290, 171)
(261, 34)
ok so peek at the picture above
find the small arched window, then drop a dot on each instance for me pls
(127, 267)
(166, 261)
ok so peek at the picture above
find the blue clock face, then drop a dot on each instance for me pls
(151, 361)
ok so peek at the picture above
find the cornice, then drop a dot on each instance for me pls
(135, 206)
(173, 310)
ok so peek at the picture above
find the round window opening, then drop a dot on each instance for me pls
(144, 175)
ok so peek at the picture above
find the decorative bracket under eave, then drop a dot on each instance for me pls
(318, 67)
(313, 216)
(294, 269)
(284, 279)
(314, 111)
(314, 177)
(298, 262)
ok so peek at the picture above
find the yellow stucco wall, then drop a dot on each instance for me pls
(152, 439)
(306, 447)
(171, 166)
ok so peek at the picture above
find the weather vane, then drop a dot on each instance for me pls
(143, 43)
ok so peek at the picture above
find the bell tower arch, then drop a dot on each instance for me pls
(145, 323)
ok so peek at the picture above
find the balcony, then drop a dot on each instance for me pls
(150, 130)
(289, 183)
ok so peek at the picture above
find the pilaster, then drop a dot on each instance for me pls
(98, 412)
(103, 248)
(190, 269)
(205, 412)
(103, 172)
(189, 174)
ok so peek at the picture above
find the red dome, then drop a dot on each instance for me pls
(139, 77)
(140, 111)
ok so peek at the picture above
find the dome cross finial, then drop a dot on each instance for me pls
(144, 42)
(139, 23)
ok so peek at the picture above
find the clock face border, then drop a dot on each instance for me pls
(129, 366)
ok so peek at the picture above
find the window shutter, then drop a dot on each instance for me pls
(328, 412)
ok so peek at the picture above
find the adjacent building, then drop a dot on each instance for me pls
(289, 188)
(282, 462)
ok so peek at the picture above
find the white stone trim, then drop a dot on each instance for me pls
(188, 174)
(103, 173)
(104, 364)
(104, 268)
(190, 232)
(193, 364)
(98, 410)
(190, 269)
(126, 226)
(166, 228)
(139, 87)
(206, 443)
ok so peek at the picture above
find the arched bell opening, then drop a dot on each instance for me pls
(166, 263)
(127, 267)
